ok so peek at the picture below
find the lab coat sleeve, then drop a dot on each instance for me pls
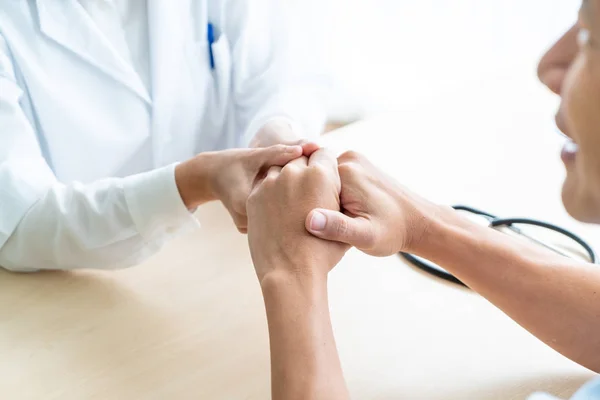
(280, 65)
(109, 224)
(44, 224)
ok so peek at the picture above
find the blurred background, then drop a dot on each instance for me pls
(393, 55)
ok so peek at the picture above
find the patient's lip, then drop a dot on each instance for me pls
(569, 151)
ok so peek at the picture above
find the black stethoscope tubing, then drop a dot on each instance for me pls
(496, 222)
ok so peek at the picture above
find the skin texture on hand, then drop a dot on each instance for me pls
(276, 212)
(292, 267)
(279, 131)
(380, 217)
(552, 296)
(228, 176)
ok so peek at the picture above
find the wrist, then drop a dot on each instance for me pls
(422, 221)
(286, 292)
(442, 223)
(194, 181)
(279, 282)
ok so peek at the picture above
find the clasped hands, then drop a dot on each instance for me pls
(302, 207)
(303, 216)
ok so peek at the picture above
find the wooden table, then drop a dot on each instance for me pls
(190, 324)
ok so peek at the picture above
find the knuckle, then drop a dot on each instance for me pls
(349, 168)
(351, 155)
(319, 170)
(341, 228)
(291, 170)
(269, 180)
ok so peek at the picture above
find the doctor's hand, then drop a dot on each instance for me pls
(380, 217)
(279, 131)
(277, 209)
(229, 176)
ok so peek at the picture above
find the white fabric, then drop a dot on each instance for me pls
(124, 24)
(88, 145)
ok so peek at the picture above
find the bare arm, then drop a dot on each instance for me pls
(292, 267)
(555, 298)
(304, 358)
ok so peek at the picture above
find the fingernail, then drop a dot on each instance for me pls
(318, 221)
(293, 149)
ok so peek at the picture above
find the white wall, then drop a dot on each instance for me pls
(391, 54)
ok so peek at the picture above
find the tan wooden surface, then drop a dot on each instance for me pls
(190, 324)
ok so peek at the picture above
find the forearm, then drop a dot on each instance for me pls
(194, 179)
(304, 358)
(555, 298)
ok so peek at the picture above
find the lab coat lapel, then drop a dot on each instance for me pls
(67, 24)
(167, 43)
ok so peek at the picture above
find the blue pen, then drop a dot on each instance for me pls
(211, 39)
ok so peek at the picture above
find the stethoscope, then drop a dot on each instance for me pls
(496, 223)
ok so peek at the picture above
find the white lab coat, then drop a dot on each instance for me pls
(87, 153)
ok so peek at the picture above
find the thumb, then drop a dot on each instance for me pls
(338, 227)
(279, 155)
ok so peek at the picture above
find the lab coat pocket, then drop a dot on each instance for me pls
(221, 88)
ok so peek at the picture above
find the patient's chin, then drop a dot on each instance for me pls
(579, 201)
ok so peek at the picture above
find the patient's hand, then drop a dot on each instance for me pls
(380, 217)
(277, 209)
(292, 267)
